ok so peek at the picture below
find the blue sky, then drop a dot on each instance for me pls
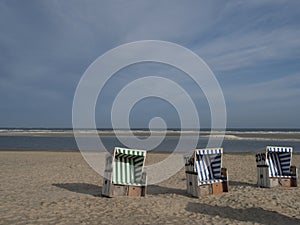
(252, 47)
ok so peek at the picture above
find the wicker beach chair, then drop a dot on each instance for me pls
(124, 174)
(274, 167)
(204, 173)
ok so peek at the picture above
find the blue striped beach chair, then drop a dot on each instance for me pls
(204, 173)
(274, 167)
(124, 175)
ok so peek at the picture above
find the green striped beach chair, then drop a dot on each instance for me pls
(124, 175)
(204, 172)
(274, 167)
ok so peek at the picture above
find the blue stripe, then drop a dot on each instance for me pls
(216, 162)
(285, 161)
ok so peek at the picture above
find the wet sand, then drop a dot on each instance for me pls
(61, 188)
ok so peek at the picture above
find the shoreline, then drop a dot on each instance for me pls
(228, 135)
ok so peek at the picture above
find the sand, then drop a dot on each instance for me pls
(61, 188)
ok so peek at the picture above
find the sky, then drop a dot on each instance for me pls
(252, 47)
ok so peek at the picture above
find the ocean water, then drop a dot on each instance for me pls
(63, 140)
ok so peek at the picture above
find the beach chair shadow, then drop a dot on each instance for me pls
(255, 215)
(158, 190)
(82, 188)
(241, 183)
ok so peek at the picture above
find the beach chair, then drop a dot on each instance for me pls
(274, 167)
(204, 173)
(124, 175)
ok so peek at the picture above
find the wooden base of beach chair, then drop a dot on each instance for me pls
(275, 182)
(106, 188)
(294, 179)
(280, 182)
(284, 182)
(225, 183)
(119, 190)
(263, 179)
(217, 188)
(116, 190)
(204, 190)
(136, 191)
(294, 182)
(192, 183)
(212, 189)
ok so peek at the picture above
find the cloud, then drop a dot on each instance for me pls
(45, 46)
(253, 33)
(277, 90)
(274, 103)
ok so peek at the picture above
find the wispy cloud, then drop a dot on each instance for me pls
(45, 46)
(277, 90)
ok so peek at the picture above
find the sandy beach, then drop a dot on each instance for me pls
(61, 188)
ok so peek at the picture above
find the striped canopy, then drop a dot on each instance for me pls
(279, 161)
(279, 149)
(128, 166)
(126, 151)
(208, 165)
(208, 151)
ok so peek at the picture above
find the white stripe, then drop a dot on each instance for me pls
(119, 170)
(271, 166)
(128, 170)
(198, 168)
(123, 170)
(201, 170)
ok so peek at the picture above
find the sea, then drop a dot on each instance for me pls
(235, 140)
